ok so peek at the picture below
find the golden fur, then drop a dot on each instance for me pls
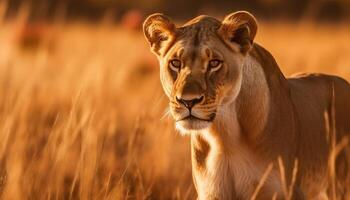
(241, 112)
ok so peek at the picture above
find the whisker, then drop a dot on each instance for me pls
(166, 114)
(206, 107)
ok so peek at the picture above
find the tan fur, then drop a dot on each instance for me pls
(249, 114)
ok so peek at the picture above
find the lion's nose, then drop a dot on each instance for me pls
(189, 103)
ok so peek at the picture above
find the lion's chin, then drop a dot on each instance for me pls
(187, 126)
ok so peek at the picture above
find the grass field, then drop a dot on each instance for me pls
(81, 109)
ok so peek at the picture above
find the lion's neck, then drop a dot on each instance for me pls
(223, 156)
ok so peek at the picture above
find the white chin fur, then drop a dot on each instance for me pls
(187, 126)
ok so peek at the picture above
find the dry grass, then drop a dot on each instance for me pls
(81, 114)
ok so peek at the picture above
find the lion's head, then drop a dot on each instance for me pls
(200, 63)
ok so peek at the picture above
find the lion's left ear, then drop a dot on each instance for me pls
(239, 27)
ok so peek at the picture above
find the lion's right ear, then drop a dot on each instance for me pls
(159, 32)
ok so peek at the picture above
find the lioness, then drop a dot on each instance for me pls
(242, 114)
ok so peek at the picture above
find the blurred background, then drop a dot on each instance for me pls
(94, 10)
(82, 112)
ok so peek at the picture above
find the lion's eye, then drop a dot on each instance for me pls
(175, 65)
(214, 64)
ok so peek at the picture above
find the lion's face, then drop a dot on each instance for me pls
(200, 64)
(198, 79)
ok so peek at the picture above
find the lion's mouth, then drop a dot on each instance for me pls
(194, 123)
(191, 117)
